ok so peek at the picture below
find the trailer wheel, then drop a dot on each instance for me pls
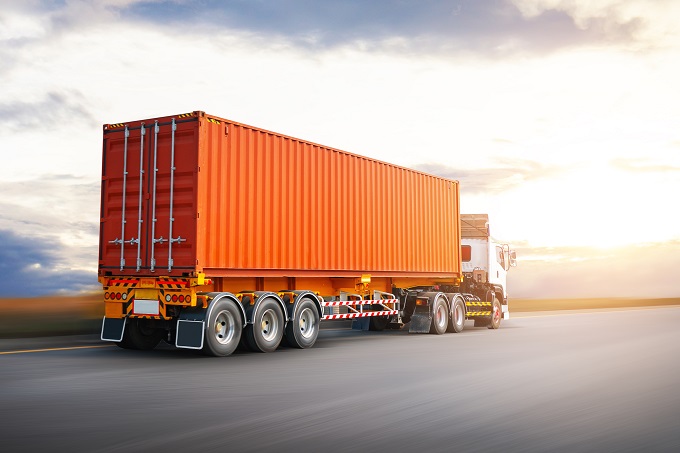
(496, 314)
(266, 331)
(440, 316)
(303, 329)
(223, 331)
(140, 335)
(457, 321)
(378, 323)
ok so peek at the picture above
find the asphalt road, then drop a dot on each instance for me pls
(598, 381)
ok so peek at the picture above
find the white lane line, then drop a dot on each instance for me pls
(70, 348)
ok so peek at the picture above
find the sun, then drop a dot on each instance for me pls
(597, 206)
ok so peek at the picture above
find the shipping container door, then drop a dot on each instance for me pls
(148, 223)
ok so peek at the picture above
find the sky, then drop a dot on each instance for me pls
(558, 117)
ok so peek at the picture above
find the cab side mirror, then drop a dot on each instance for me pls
(513, 258)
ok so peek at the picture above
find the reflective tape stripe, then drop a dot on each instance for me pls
(478, 313)
(360, 315)
(123, 282)
(359, 302)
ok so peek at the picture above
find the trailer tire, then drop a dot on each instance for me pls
(440, 316)
(223, 329)
(496, 314)
(457, 321)
(266, 331)
(378, 323)
(140, 336)
(303, 329)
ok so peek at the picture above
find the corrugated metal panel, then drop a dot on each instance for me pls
(250, 202)
(153, 153)
(274, 205)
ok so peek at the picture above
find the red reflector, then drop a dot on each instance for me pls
(187, 299)
(174, 297)
(106, 296)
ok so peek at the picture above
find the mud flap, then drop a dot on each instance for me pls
(190, 329)
(189, 334)
(420, 323)
(112, 329)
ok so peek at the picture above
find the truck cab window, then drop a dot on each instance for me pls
(466, 253)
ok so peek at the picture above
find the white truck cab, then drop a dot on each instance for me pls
(485, 261)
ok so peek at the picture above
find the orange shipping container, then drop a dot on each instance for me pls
(197, 193)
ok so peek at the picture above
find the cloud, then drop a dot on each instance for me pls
(32, 266)
(56, 213)
(627, 21)
(53, 108)
(574, 272)
(49, 231)
(643, 166)
(497, 28)
(510, 173)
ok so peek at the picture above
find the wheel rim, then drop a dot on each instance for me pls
(224, 327)
(441, 315)
(269, 325)
(496, 313)
(458, 315)
(306, 323)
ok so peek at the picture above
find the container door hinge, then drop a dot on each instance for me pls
(120, 242)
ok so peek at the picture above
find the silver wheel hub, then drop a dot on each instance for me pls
(441, 315)
(306, 324)
(269, 325)
(224, 327)
(458, 314)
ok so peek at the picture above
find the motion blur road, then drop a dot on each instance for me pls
(597, 381)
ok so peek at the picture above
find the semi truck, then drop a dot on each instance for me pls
(217, 235)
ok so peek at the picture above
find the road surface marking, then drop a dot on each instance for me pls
(26, 351)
